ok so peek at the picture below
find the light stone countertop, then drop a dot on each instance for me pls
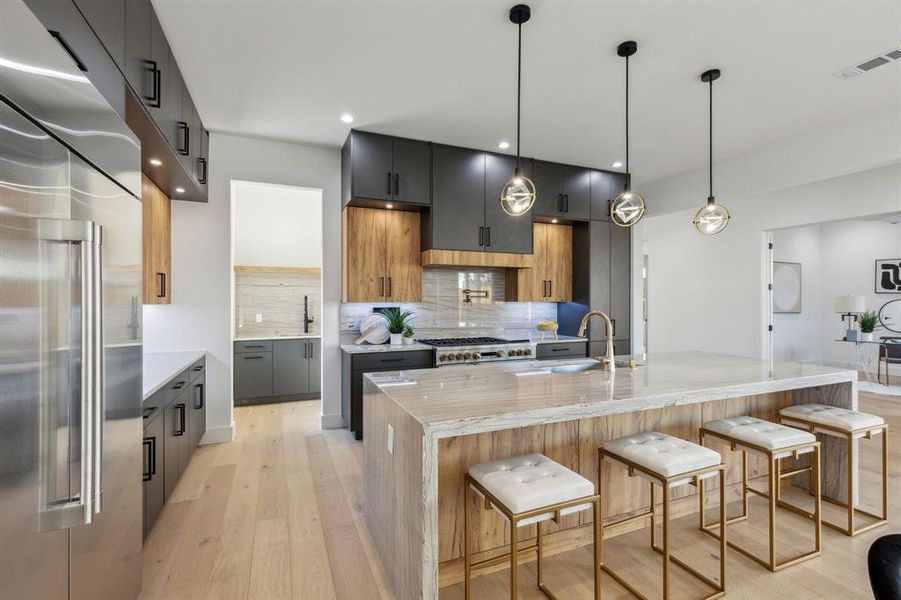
(160, 367)
(266, 338)
(458, 400)
(532, 338)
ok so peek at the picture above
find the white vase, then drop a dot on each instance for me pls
(397, 339)
(866, 337)
(408, 340)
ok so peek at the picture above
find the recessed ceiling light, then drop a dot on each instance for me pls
(389, 205)
(179, 190)
(347, 118)
(617, 164)
(155, 162)
(554, 221)
(503, 145)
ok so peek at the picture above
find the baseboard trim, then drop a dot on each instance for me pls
(218, 435)
(332, 421)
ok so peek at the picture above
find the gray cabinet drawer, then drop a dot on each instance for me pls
(261, 346)
(561, 350)
(197, 370)
(412, 359)
(253, 375)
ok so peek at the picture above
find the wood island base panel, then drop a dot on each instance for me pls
(428, 427)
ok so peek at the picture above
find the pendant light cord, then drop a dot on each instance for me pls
(710, 142)
(518, 91)
(627, 115)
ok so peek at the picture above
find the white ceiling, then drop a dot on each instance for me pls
(445, 71)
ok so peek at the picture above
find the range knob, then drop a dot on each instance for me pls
(459, 356)
(520, 352)
(467, 355)
(442, 357)
(500, 353)
(476, 355)
(528, 351)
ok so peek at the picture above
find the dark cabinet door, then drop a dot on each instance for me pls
(139, 69)
(171, 441)
(372, 166)
(198, 411)
(154, 489)
(107, 19)
(315, 366)
(576, 193)
(253, 375)
(599, 276)
(182, 406)
(503, 232)
(203, 160)
(189, 140)
(458, 199)
(548, 179)
(412, 171)
(601, 187)
(290, 367)
(170, 115)
(162, 107)
(620, 278)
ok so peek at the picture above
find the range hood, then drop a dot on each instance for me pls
(458, 258)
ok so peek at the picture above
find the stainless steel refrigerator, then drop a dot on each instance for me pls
(70, 330)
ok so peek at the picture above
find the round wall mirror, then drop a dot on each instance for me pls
(890, 316)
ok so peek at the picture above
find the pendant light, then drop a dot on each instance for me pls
(713, 217)
(518, 194)
(627, 209)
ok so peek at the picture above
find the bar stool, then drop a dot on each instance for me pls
(528, 490)
(774, 442)
(849, 425)
(666, 461)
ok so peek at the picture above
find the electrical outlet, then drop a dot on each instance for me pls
(259, 317)
(390, 439)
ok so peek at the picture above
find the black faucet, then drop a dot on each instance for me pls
(307, 319)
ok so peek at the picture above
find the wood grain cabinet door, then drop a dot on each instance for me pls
(559, 266)
(364, 239)
(157, 243)
(403, 256)
(530, 285)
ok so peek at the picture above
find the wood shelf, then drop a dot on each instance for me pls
(457, 258)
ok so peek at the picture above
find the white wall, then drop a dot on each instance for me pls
(705, 292)
(200, 314)
(798, 336)
(277, 225)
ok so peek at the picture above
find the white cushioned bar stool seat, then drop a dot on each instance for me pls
(525, 483)
(663, 454)
(832, 417)
(764, 434)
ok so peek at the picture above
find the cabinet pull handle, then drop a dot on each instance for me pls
(311, 349)
(201, 395)
(149, 412)
(181, 419)
(161, 285)
(613, 326)
(256, 357)
(565, 203)
(254, 346)
(544, 288)
(391, 360)
(550, 288)
(150, 458)
(200, 367)
(396, 184)
(381, 286)
(153, 100)
(559, 202)
(488, 236)
(201, 163)
(72, 54)
(184, 131)
(389, 183)
(306, 348)
(481, 236)
(390, 287)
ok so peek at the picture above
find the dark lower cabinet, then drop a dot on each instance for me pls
(554, 350)
(353, 366)
(276, 370)
(253, 375)
(154, 488)
(174, 423)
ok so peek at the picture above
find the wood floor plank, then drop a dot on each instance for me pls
(270, 571)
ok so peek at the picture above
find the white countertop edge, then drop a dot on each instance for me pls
(273, 338)
(163, 366)
(486, 424)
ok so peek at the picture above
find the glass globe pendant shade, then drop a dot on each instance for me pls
(627, 209)
(518, 195)
(712, 218)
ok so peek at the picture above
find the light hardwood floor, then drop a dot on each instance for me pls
(278, 513)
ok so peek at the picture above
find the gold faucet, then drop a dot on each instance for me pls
(608, 360)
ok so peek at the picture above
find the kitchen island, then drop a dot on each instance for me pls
(429, 426)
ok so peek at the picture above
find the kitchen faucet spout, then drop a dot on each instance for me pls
(608, 360)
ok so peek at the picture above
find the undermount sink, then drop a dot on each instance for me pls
(592, 366)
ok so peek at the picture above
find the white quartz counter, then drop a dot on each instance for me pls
(160, 367)
(466, 399)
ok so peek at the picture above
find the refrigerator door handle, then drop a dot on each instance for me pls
(80, 509)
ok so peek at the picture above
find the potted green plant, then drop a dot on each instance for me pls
(397, 322)
(867, 321)
(408, 335)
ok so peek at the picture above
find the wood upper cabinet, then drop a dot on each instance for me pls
(157, 243)
(381, 255)
(550, 279)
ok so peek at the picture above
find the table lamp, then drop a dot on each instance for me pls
(849, 307)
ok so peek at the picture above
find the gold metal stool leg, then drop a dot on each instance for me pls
(467, 573)
(514, 560)
(598, 548)
(666, 559)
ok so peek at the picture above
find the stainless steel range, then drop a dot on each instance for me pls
(472, 350)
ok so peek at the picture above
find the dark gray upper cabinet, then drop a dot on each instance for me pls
(412, 168)
(457, 217)
(380, 168)
(107, 19)
(171, 117)
(203, 161)
(139, 70)
(620, 279)
(563, 191)
(503, 232)
(601, 186)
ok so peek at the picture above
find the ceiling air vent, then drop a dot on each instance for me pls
(870, 64)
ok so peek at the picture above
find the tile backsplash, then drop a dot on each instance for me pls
(271, 304)
(444, 304)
